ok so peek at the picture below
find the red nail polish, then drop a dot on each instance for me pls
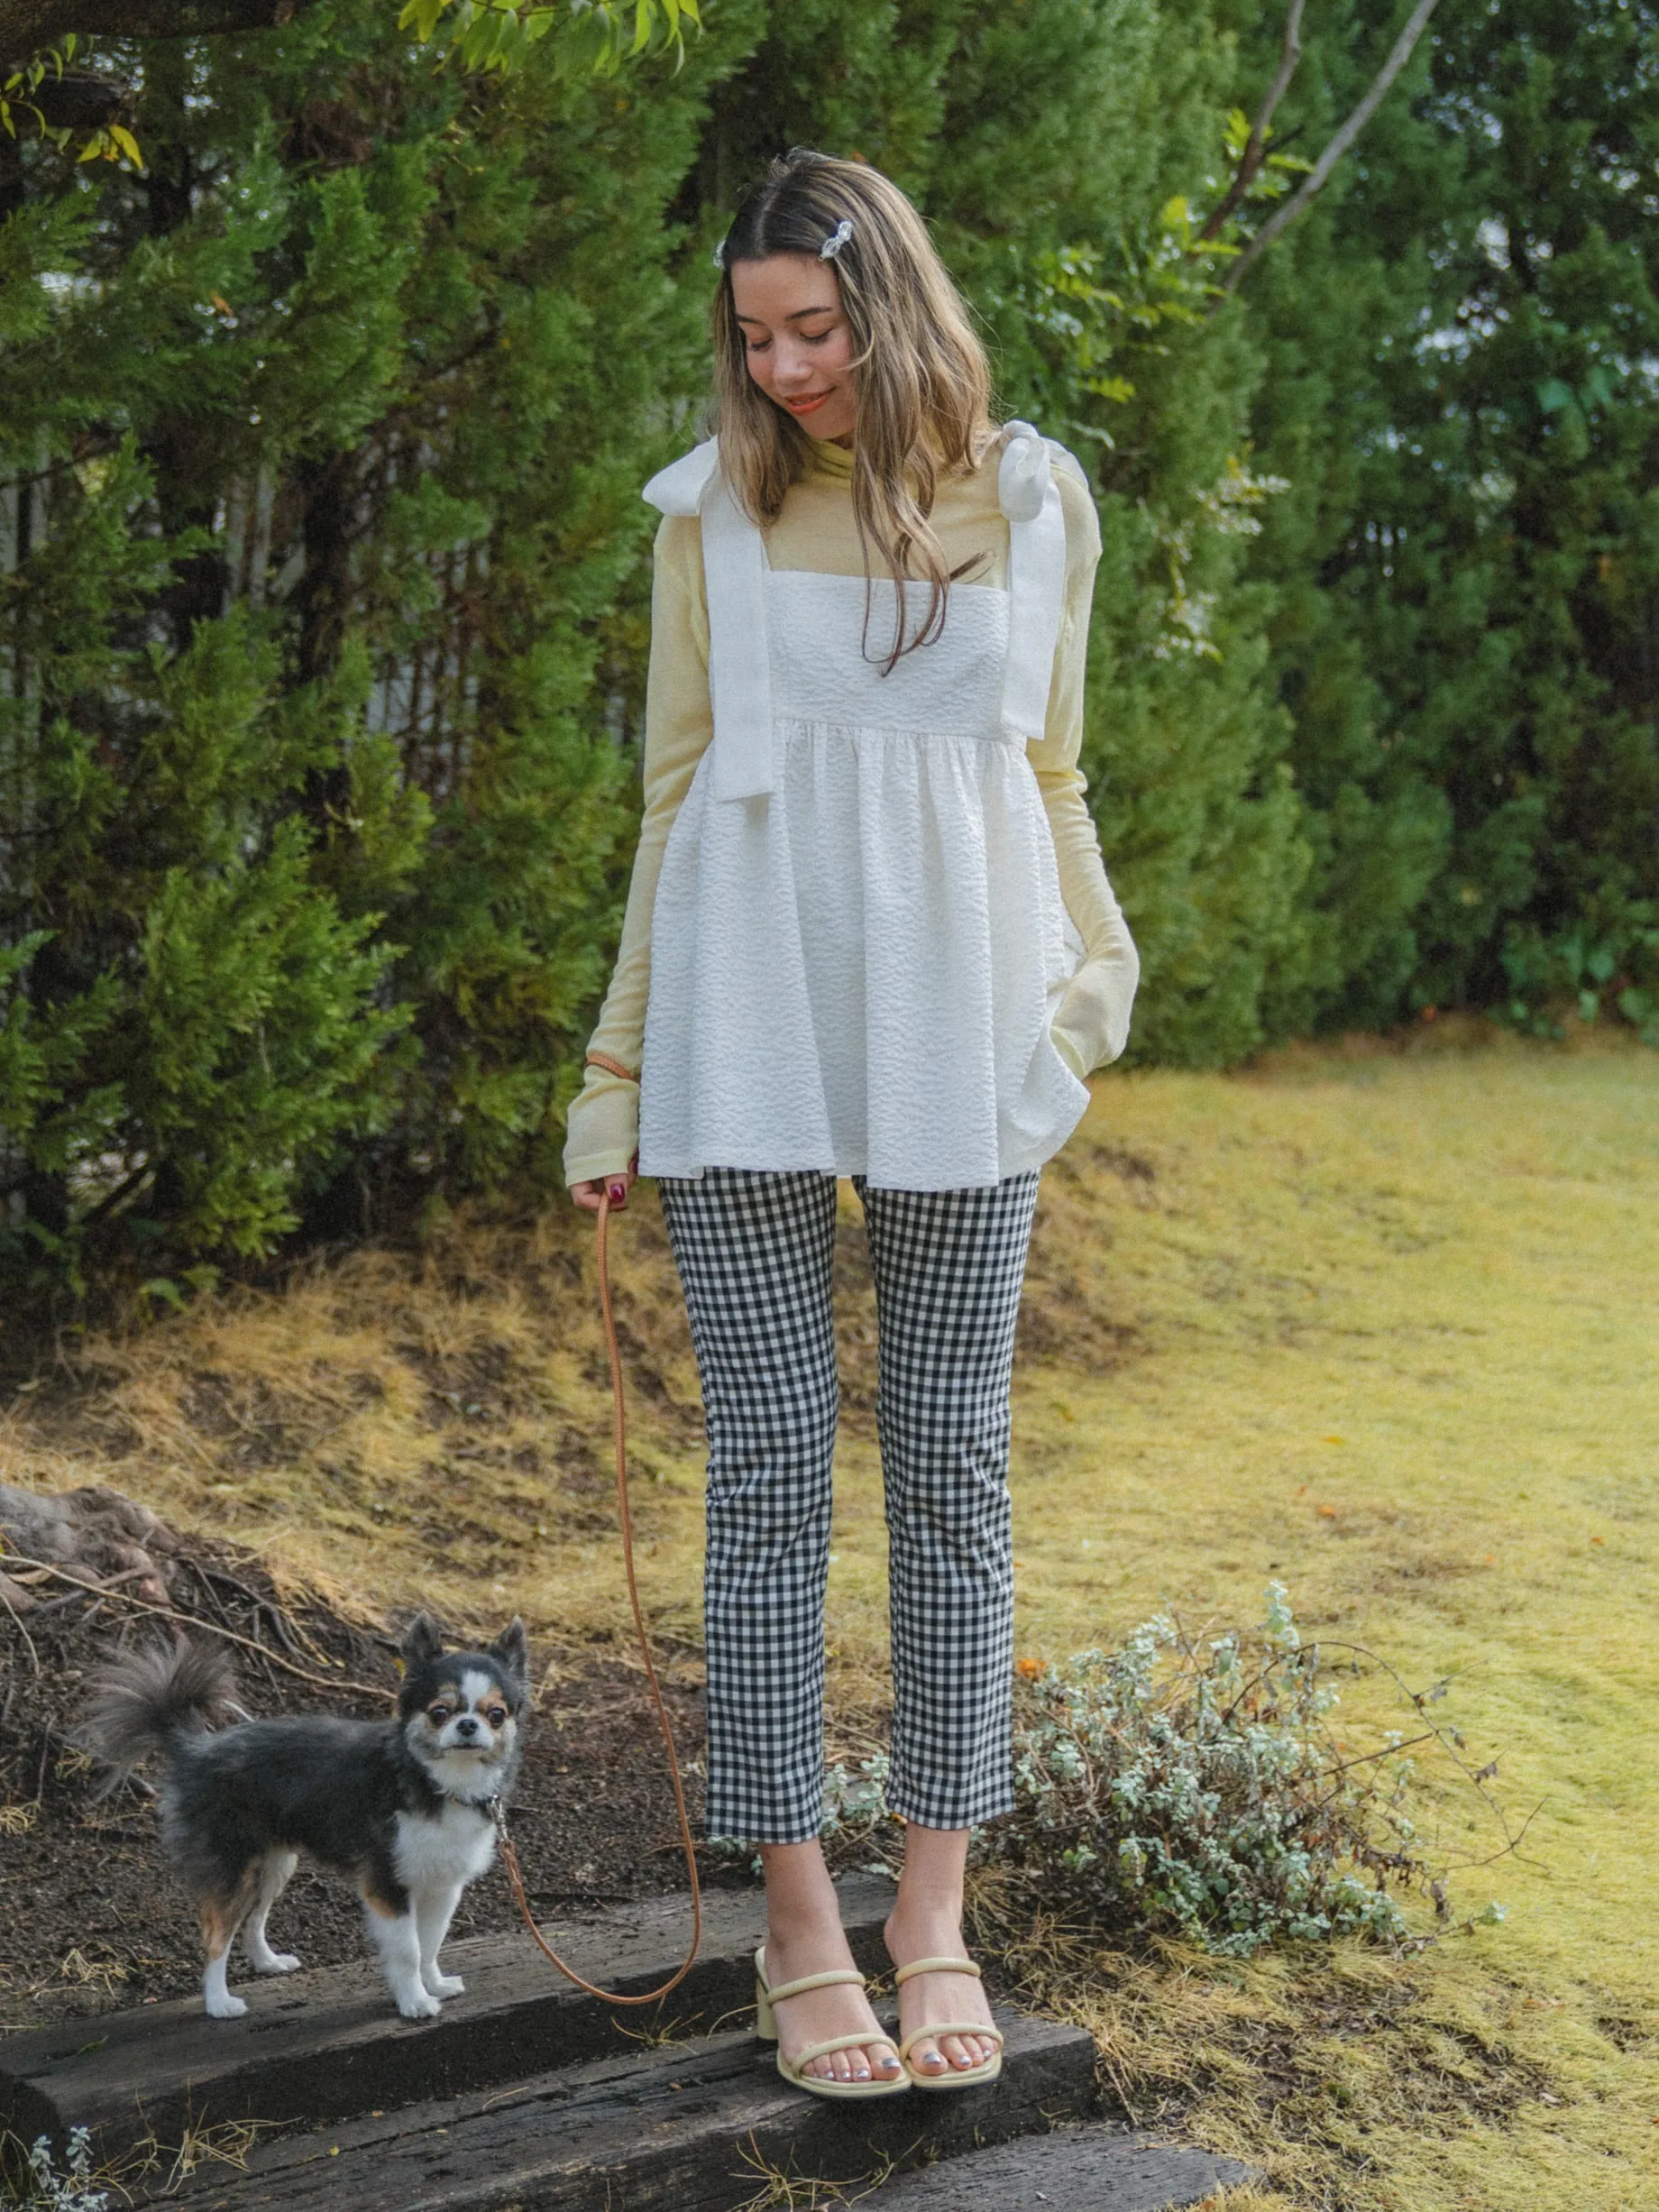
(618, 1192)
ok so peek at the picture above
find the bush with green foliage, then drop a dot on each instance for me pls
(1194, 1790)
(324, 579)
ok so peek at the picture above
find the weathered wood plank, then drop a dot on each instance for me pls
(326, 2044)
(694, 2129)
(1093, 2169)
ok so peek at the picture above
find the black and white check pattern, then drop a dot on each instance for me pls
(754, 1251)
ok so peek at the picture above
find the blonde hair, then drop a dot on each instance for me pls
(921, 390)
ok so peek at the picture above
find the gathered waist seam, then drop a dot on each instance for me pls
(794, 726)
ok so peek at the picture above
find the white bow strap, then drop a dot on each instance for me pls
(678, 489)
(1029, 498)
(734, 561)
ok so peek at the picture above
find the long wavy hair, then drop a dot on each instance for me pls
(922, 385)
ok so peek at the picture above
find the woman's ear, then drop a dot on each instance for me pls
(422, 1641)
(512, 1649)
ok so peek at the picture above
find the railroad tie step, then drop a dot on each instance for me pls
(1088, 2169)
(703, 2126)
(326, 2045)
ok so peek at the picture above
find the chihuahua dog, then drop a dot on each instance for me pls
(404, 1806)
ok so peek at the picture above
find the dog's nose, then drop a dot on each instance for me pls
(466, 1725)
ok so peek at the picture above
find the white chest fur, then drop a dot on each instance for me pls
(444, 1850)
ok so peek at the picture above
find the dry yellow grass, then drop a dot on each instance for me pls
(1379, 1325)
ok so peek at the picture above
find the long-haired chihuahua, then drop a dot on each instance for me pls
(403, 1807)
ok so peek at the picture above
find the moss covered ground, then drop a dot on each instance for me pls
(1375, 1322)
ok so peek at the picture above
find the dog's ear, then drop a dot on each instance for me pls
(512, 1649)
(422, 1641)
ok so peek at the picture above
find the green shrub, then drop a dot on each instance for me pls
(1191, 1789)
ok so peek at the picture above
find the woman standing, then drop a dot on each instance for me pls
(868, 934)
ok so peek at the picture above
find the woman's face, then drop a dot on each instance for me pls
(797, 339)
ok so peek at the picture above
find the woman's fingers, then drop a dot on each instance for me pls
(615, 1187)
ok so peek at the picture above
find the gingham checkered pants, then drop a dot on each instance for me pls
(754, 1253)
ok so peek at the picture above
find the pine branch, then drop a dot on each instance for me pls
(1313, 183)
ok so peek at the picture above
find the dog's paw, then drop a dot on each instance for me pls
(276, 1962)
(419, 2006)
(445, 1985)
(225, 2008)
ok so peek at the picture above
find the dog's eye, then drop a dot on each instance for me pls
(438, 1714)
(496, 1715)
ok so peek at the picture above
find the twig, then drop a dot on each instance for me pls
(1363, 1651)
(166, 1612)
(285, 1623)
(1512, 1846)
(1255, 145)
(1286, 212)
(1365, 1758)
(18, 1618)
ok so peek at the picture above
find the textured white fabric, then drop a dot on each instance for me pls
(734, 565)
(857, 972)
(740, 678)
(1027, 495)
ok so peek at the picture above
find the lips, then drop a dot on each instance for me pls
(808, 406)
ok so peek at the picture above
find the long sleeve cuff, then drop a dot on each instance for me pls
(601, 1128)
(1091, 1026)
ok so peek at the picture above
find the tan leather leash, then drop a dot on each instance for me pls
(510, 1857)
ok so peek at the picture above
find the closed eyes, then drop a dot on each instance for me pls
(807, 337)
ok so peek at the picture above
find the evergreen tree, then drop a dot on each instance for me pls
(1464, 563)
(324, 577)
(329, 432)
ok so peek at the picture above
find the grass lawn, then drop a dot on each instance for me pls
(1377, 1324)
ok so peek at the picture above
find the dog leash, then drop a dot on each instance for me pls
(510, 1857)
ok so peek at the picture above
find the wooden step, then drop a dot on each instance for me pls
(327, 2045)
(1093, 2169)
(697, 2127)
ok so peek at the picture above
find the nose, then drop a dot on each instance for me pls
(466, 1725)
(793, 367)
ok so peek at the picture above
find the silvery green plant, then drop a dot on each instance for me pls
(1190, 1788)
(71, 2191)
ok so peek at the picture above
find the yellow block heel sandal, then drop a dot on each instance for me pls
(953, 2077)
(766, 2028)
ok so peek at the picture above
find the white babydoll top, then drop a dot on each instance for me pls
(858, 944)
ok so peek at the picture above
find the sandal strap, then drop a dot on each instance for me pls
(834, 2042)
(777, 1992)
(937, 1966)
(949, 2027)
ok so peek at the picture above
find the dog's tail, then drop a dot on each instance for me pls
(156, 1699)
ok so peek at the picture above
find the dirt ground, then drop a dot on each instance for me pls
(90, 1917)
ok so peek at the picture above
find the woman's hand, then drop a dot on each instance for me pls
(587, 1194)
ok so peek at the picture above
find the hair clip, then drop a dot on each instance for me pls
(720, 254)
(837, 239)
